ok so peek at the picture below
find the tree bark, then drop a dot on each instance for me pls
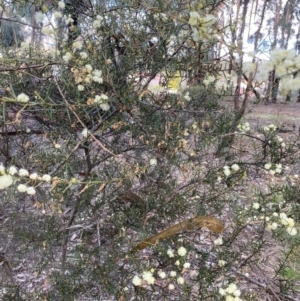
(240, 65)
(272, 86)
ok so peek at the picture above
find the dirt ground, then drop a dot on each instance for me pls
(281, 113)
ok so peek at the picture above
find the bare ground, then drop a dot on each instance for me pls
(281, 113)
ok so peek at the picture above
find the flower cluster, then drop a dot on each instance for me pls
(57, 15)
(286, 64)
(86, 74)
(277, 220)
(61, 4)
(222, 86)
(273, 169)
(153, 162)
(222, 263)
(288, 222)
(187, 96)
(101, 100)
(12, 174)
(202, 27)
(80, 88)
(67, 57)
(244, 127)
(231, 293)
(98, 22)
(218, 241)
(160, 17)
(279, 140)
(148, 278)
(22, 97)
(228, 170)
(274, 143)
(97, 76)
(47, 30)
(249, 67)
(39, 16)
(6, 181)
(281, 220)
(285, 61)
(270, 128)
(68, 19)
(25, 46)
(209, 80)
(182, 143)
(77, 45)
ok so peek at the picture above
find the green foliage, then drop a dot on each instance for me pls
(115, 163)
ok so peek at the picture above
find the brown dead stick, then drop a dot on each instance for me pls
(195, 223)
(4, 262)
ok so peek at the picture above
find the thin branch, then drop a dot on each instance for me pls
(266, 287)
(144, 87)
(99, 238)
(91, 134)
(66, 160)
(17, 21)
(26, 68)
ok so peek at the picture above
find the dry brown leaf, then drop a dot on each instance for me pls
(101, 187)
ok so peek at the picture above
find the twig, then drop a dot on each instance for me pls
(70, 222)
(266, 287)
(27, 67)
(8, 243)
(144, 87)
(76, 207)
(272, 291)
(17, 21)
(91, 134)
(98, 238)
(7, 267)
(66, 160)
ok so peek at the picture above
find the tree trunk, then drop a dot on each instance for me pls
(289, 16)
(256, 39)
(272, 86)
(233, 31)
(240, 66)
(73, 9)
(275, 88)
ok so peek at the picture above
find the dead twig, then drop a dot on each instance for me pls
(91, 134)
(264, 286)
